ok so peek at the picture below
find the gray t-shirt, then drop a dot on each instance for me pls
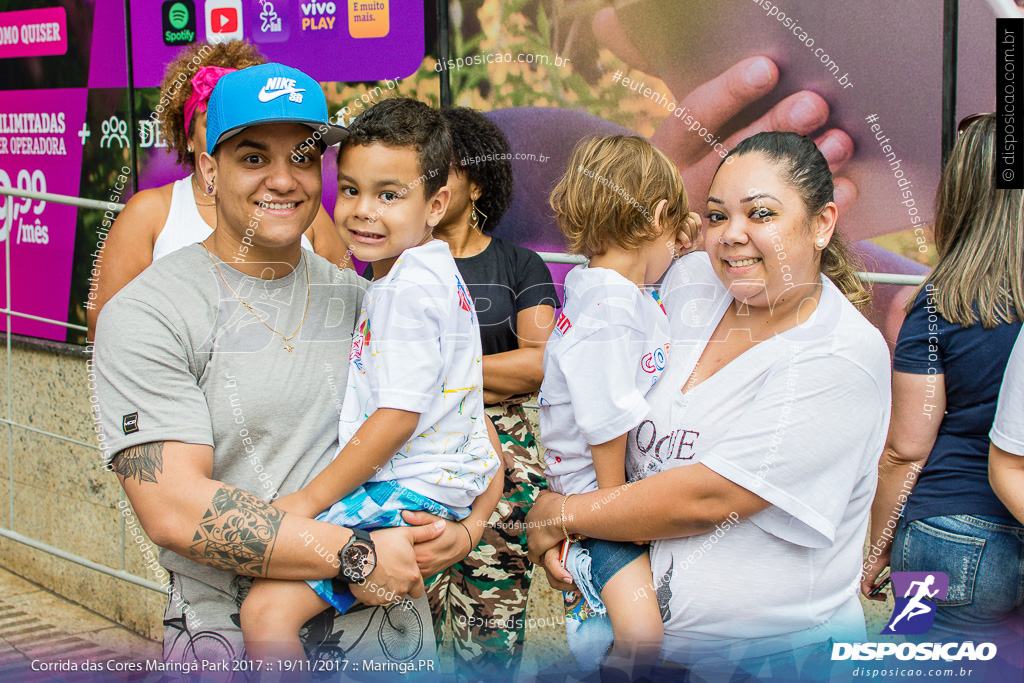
(179, 358)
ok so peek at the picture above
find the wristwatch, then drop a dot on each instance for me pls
(358, 558)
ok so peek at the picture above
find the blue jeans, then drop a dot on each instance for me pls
(593, 562)
(984, 560)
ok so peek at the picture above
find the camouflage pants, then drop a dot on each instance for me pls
(484, 596)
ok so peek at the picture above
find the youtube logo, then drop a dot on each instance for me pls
(223, 20)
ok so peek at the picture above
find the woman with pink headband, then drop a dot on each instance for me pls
(159, 221)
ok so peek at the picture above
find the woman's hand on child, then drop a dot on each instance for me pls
(298, 503)
(437, 554)
(559, 578)
(544, 525)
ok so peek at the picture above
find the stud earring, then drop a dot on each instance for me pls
(209, 189)
(190, 149)
(820, 242)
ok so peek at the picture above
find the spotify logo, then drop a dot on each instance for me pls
(178, 15)
(179, 22)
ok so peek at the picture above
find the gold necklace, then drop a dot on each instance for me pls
(287, 347)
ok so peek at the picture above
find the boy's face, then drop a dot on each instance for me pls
(382, 207)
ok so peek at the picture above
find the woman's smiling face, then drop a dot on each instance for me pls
(759, 236)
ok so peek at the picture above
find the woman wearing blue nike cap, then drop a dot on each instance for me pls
(224, 351)
(161, 220)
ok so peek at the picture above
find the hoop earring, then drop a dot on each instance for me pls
(474, 218)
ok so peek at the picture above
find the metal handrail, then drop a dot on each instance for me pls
(51, 321)
(62, 199)
(547, 256)
(876, 278)
(78, 559)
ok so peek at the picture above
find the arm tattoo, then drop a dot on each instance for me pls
(142, 462)
(237, 533)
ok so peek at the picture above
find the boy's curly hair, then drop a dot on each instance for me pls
(176, 87)
(610, 193)
(482, 152)
(405, 122)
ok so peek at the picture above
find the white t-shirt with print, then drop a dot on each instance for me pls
(609, 346)
(1008, 427)
(417, 348)
(800, 420)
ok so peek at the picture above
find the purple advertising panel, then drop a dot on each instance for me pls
(331, 41)
(41, 151)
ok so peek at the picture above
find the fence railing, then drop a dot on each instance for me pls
(9, 533)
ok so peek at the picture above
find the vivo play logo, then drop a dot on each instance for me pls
(318, 15)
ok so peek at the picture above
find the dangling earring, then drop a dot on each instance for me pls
(474, 217)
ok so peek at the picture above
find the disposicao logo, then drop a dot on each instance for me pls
(914, 613)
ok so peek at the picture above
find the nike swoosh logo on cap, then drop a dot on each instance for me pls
(267, 96)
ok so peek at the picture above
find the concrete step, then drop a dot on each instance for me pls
(37, 625)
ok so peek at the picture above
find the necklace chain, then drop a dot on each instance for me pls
(287, 347)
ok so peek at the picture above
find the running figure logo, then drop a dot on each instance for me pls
(914, 613)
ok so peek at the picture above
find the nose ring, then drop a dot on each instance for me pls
(721, 241)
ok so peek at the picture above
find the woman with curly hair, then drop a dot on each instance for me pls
(159, 221)
(484, 596)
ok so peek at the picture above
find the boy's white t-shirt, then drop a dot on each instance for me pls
(1008, 427)
(607, 350)
(800, 420)
(417, 348)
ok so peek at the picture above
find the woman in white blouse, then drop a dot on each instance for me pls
(754, 471)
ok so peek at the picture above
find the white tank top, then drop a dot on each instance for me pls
(184, 225)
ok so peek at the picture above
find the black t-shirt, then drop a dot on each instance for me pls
(972, 361)
(503, 279)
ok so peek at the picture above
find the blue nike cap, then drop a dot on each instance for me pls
(268, 93)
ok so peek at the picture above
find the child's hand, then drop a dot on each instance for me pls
(693, 238)
(298, 503)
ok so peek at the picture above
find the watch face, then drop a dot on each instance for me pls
(355, 559)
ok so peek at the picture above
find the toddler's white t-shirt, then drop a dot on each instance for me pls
(417, 348)
(609, 345)
(1008, 427)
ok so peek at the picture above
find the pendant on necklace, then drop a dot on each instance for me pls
(289, 348)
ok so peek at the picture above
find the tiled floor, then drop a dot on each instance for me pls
(38, 625)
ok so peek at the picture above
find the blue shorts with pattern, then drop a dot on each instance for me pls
(375, 505)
